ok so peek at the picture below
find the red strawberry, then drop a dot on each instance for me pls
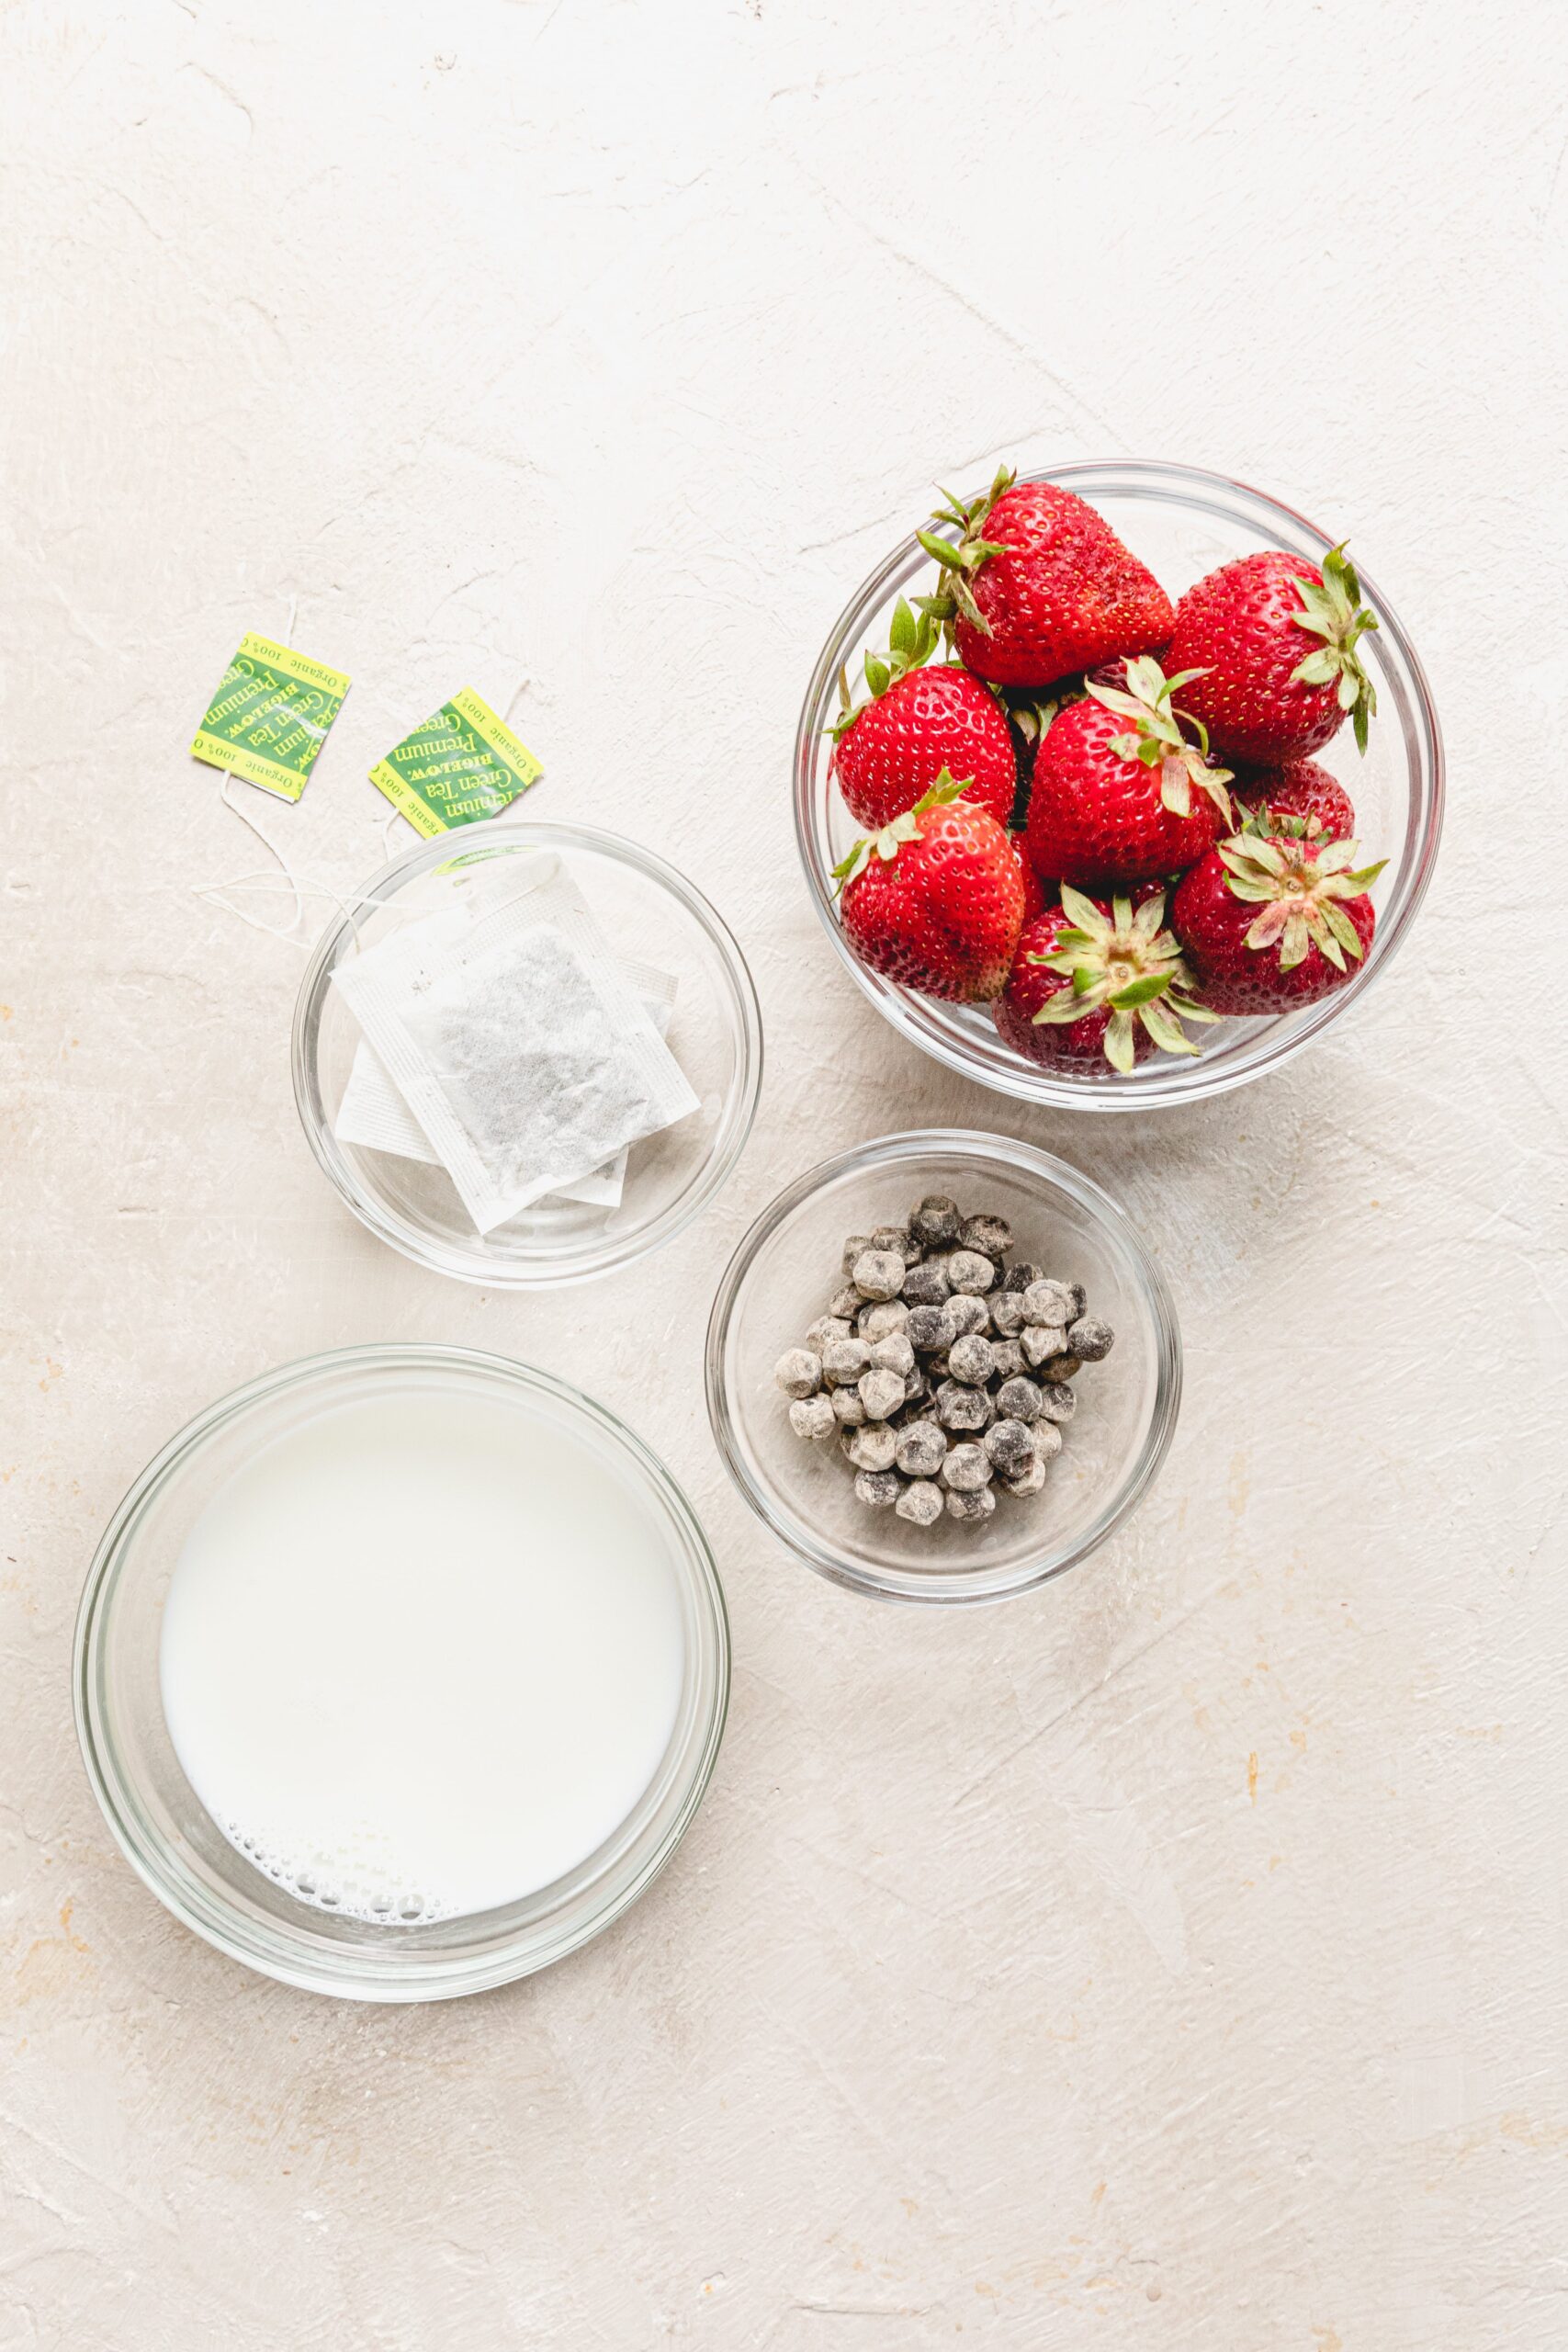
(1038, 585)
(1269, 923)
(1093, 982)
(920, 721)
(1113, 801)
(938, 904)
(1275, 638)
(1298, 788)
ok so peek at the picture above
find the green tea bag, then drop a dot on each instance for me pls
(457, 767)
(270, 715)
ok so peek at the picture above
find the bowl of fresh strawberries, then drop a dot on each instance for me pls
(1116, 784)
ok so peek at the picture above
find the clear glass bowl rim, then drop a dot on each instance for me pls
(467, 1263)
(359, 1974)
(1193, 1080)
(926, 1588)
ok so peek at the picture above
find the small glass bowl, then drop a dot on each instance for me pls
(778, 1280)
(1182, 523)
(654, 916)
(162, 1826)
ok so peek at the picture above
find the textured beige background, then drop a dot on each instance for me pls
(1173, 1962)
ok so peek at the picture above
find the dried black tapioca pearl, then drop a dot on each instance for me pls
(799, 1371)
(958, 1407)
(1017, 1400)
(936, 1224)
(967, 1271)
(1009, 1446)
(921, 1447)
(927, 1285)
(991, 1235)
(878, 1487)
(931, 1329)
(968, 1315)
(1048, 1301)
(813, 1416)
(920, 1502)
(878, 1274)
(881, 1393)
(971, 1359)
(966, 1467)
(1090, 1339)
(843, 1360)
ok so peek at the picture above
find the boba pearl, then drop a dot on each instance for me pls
(1029, 1480)
(1008, 1313)
(931, 1328)
(969, 1314)
(920, 1448)
(813, 1416)
(959, 1407)
(966, 1466)
(920, 1502)
(991, 1235)
(878, 1274)
(848, 1410)
(1007, 1358)
(844, 1360)
(1090, 1338)
(873, 1448)
(1047, 1302)
(936, 1224)
(970, 1359)
(1040, 1341)
(881, 1393)
(1048, 1440)
(1021, 1276)
(799, 1371)
(970, 1502)
(846, 1302)
(852, 1249)
(893, 1354)
(927, 1285)
(876, 1322)
(1057, 1402)
(900, 1240)
(878, 1487)
(1061, 1367)
(1009, 1447)
(1017, 1400)
(967, 1271)
(827, 1328)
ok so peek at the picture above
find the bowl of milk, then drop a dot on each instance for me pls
(401, 1671)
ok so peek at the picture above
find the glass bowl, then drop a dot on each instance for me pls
(654, 916)
(778, 1283)
(161, 1824)
(1182, 523)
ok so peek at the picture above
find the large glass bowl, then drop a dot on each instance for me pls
(653, 915)
(778, 1283)
(1182, 524)
(160, 1823)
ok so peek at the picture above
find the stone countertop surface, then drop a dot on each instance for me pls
(1172, 1961)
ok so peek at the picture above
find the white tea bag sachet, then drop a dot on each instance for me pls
(374, 1116)
(525, 1057)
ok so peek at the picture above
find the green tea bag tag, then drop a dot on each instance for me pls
(270, 715)
(460, 766)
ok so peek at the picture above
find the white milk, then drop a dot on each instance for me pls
(421, 1655)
